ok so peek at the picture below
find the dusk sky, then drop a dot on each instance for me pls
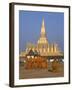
(30, 26)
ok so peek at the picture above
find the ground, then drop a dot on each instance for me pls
(41, 73)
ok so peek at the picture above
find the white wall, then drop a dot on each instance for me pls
(4, 43)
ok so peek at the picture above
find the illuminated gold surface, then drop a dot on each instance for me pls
(43, 47)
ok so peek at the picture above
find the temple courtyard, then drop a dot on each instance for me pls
(30, 70)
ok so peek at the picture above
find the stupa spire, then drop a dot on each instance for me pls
(43, 22)
(43, 28)
(43, 40)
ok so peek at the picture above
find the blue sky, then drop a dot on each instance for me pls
(30, 25)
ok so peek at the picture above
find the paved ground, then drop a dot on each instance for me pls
(38, 73)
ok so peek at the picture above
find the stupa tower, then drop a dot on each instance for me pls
(42, 42)
(43, 33)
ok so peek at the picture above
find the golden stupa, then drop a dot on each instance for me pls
(43, 47)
